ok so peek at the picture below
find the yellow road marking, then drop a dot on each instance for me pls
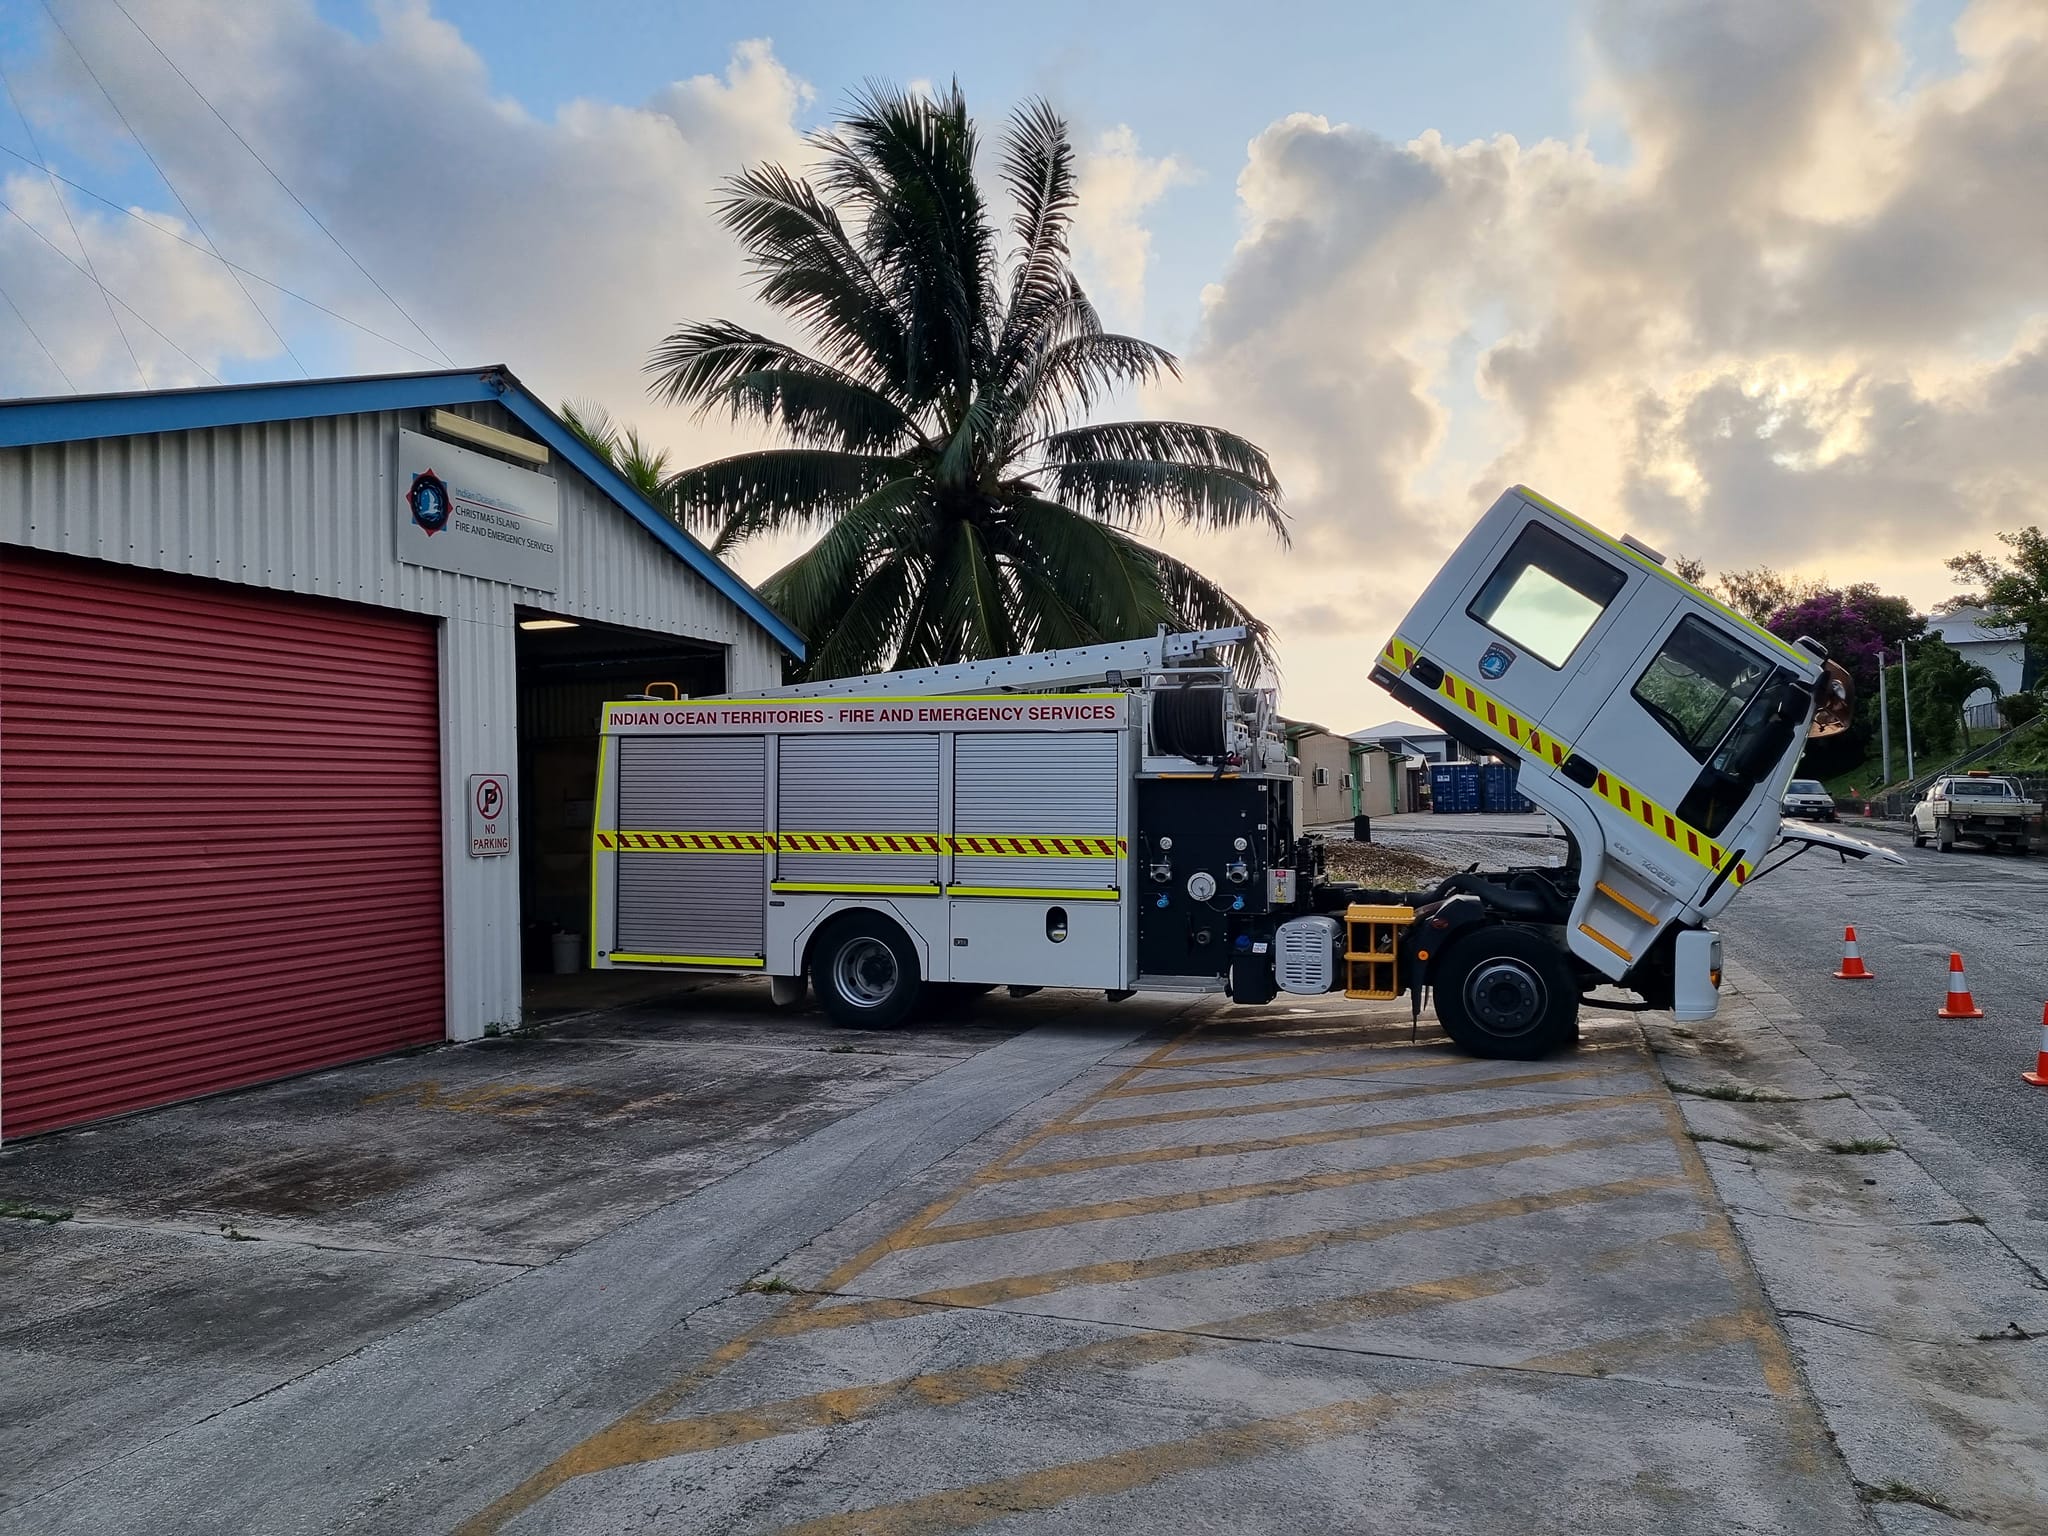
(1018, 1172)
(1045, 1488)
(1266, 1189)
(1326, 1101)
(593, 1452)
(988, 1293)
(1256, 1079)
(846, 1405)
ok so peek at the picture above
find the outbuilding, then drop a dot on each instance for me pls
(299, 701)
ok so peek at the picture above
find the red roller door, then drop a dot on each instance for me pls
(220, 837)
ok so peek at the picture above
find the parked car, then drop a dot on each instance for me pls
(1975, 807)
(1805, 797)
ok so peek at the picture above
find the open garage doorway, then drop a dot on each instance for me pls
(568, 670)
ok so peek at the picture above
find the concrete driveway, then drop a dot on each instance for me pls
(1162, 1266)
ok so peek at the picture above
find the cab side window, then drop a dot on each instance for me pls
(1547, 594)
(1698, 685)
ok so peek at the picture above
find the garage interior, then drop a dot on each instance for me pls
(567, 670)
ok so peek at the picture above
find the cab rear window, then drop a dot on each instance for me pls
(1546, 594)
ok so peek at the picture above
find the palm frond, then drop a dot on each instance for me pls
(1038, 168)
(1147, 493)
(1106, 578)
(593, 424)
(1199, 603)
(776, 490)
(1067, 377)
(811, 270)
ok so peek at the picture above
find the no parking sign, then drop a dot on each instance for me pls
(490, 815)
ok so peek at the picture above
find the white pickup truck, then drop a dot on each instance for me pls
(1977, 807)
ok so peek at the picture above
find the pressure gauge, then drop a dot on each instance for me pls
(1240, 845)
(1166, 843)
(1201, 885)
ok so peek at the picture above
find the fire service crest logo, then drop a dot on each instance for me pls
(428, 501)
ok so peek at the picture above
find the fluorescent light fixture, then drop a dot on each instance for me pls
(549, 624)
(448, 424)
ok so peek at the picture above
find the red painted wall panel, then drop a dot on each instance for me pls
(220, 837)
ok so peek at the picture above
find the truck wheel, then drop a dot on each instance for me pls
(1945, 836)
(865, 972)
(1507, 992)
(1919, 841)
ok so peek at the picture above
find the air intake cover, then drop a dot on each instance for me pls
(1305, 954)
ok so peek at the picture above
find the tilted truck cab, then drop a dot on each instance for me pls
(987, 824)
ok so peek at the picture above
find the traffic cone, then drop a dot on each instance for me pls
(2039, 1076)
(1959, 1005)
(1853, 968)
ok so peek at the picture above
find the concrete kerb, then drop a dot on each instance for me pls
(1912, 1309)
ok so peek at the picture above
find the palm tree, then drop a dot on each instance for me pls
(639, 463)
(936, 423)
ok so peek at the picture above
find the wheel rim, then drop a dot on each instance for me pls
(1506, 998)
(865, 972)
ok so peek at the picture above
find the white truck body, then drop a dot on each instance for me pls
(978, 825)
(1975, 807)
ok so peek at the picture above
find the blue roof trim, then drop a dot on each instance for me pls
(557, 436)
(30, 422)
(185, 410)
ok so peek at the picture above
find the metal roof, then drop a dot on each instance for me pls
(75, 418)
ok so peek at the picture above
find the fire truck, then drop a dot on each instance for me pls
(1126, 816)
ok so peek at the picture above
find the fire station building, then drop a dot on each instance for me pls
(299, 701)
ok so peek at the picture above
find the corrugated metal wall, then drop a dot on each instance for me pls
(308, 507)
(221, 821)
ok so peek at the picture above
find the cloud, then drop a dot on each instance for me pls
(563, 245)
(1801, 318)
(1117, 185)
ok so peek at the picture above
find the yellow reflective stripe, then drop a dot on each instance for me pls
(1482, 706)
(610, 841)
(1025, 845)
(1548, 751)
(1035, 845)
(1621, 901)
(1750, 626)
(1037, 893)
(743, 962)
(853, 890)
(1600, 938)
(603, 750)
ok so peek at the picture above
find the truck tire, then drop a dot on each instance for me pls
(865, 972)
(1507, 992)
(1945, 835)
(1919, 840)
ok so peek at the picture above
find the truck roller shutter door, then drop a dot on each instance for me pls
(842, 799)
(690, 903)
(1024, 790)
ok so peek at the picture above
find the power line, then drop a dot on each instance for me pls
(65, 208)
(288, 192)
(39, 341)
(109, 295)
(165, 176)
(257, 277)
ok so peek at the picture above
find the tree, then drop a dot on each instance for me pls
(1941, 680)
(1689, 570)
(935, 428)
(639, 463)
(2012, 592)
(1758, 594)
(1859, 626)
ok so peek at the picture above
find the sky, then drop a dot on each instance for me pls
(1758, 281)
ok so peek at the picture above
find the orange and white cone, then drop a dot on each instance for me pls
(1853, 968)
(2039, 1076)
(1960, 1005)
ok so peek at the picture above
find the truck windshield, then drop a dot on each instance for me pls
(1980, 789)
(1698, 685)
